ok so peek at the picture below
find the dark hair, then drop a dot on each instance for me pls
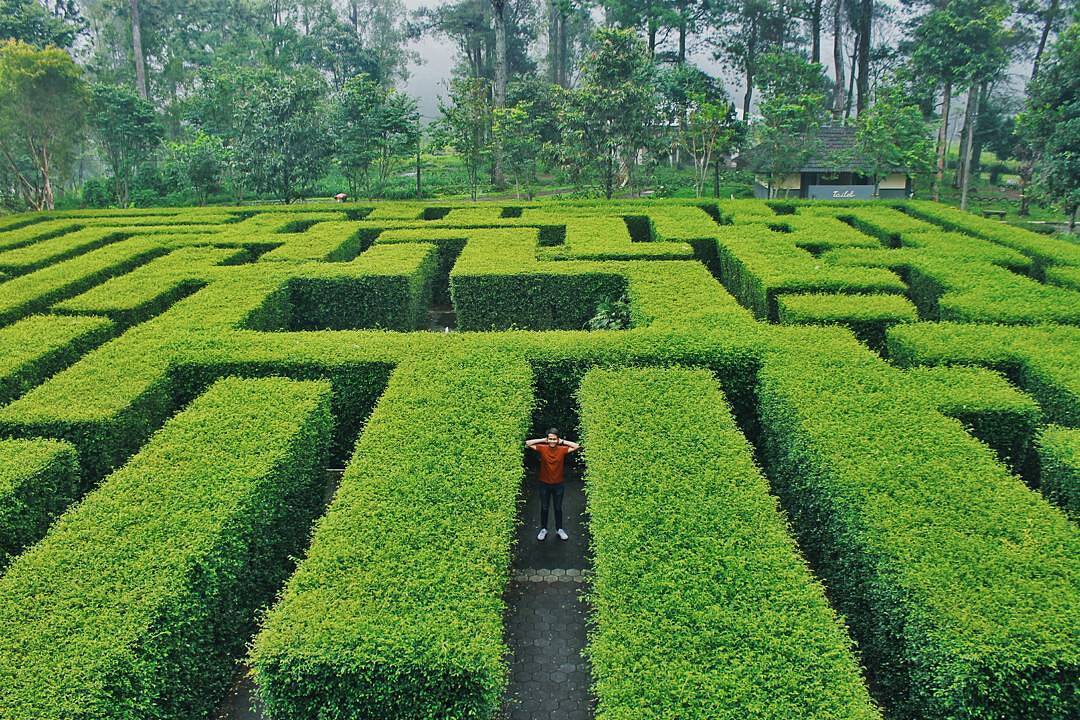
(553, 431)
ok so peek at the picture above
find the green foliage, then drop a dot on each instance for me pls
(792, 109)
(38, 478)
(611, 315)
(35, 347)
(1050, 123)
(397, 609)
(199, 164)
(127, 130)
(148, 617)
(282, 143)
(915, 528)
(701, 605)
(892, 136)
(42, 112)
(31, 23)
(610, 116)
(372, 126)
(868, 316)
(465, 125)
(1059, 459)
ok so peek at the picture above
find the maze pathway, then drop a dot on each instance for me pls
(775, 399)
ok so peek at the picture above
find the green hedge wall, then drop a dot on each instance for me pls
(397, 609)
(38, 346)
(140, 599)
(38, 478)
(960, 584)
(701, 606)
(868, 316)
(1059, 467)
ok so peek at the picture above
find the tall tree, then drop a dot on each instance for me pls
(137, 50)
(498, 9)
(892, 136)
(283, 144)
(28, 21)
(1051, 124)
(42, 114)
(612, 114)
(127, 130)
(745, 30)
(792, 109)
(865, 29)
(839, 96)
(465, 125)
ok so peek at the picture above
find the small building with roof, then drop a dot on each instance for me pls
(830, 173)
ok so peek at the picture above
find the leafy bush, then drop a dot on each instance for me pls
(38, 346)
(700, 603)
(1059, 456)
(397, 609)
(868, 316)
(611, 315)
(38, 478)
(958, 582)
(139, 600)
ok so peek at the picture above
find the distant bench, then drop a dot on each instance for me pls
(999, 214)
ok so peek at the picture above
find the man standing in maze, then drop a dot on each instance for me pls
(553, 451)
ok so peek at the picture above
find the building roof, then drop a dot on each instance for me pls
(835, 147)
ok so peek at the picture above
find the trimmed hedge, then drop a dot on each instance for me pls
(46, 252)
(397, 610)
(149, 290)
(701, 605)
(1059, 467)
(757, 264)
(960, 584)
(1044, 250)
(986, 404)
(1044, 361)
(38, 478)
(140, 599)
(868, 316)
(36, 291)
(38, 346)
(26, 233)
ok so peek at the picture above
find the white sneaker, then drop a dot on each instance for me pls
(562, 534)
(542, 535)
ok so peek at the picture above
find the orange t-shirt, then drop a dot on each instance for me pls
(551, 462)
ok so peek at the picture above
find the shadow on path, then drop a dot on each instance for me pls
(545, 623)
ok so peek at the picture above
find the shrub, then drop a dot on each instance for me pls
(38, 478)
(38, 346)
(140, 598)
(868, 316)
(1059, 458)
(959, 583)
(701, 606)
(397, 609)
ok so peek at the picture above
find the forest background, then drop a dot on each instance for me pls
(180, 102)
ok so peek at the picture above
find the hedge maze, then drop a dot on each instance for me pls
(832, 463)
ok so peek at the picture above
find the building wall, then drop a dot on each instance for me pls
(894, 181)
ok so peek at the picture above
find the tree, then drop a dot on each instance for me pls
(465, 125)
(199, 164)
(891, 136)
(1050, 124)
(611, 116)
(747, 30)
(31, 23)
(372, 126)
(42, 114)
(698, 107)
(957, 43)
(127, 131)
(283, 143)
(792, 110)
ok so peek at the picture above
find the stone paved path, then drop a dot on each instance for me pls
(546, 622)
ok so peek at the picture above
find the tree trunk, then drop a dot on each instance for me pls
(961, 166)
(865, 25)
(137, 50)
(838, 59)
(682, 41)
(1072, 219)
(499, 8)
(716, 178)
(943, 132)
(815, 32)
(1051, 14)
(553, 42)
(851, 81)
(973, 124)
(564, 52)
(652, 38)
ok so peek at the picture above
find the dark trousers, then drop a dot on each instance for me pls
(547, 494)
